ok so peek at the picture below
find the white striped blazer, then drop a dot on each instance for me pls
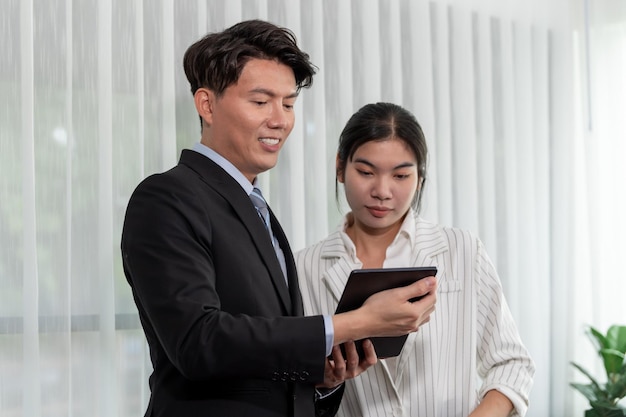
(470, 345)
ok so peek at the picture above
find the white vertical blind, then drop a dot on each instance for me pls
(288, 178)
(367, 64)
(485, 136)
(316, 197)
(390, 34)
(440, 42)
(506, 162)
(106, 366)
(523, 114)
(339, 71)
(418, 86)
(169, 67)
(66, 250)
(463, 120)
(30, 275)
(598, 174)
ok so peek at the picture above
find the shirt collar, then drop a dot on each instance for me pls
(406, 233)
(407, 230)
(226, 165)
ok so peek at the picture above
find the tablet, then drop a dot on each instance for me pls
(364, 282)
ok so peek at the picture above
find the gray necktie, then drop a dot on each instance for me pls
(261, 207)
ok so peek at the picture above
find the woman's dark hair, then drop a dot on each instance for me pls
(379, 122)
(216, 61)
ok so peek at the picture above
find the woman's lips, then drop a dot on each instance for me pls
(378, 211)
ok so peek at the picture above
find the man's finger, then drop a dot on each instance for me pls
(352, 357)
(340, 363)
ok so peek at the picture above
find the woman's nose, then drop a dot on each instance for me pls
(381, 190)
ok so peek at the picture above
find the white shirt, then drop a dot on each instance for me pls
(470, 345)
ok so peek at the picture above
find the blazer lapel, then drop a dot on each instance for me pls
(297, 309)
(336, 277)
(429, 242)
(231, 191)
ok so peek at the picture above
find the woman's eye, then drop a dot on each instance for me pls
(364, 173)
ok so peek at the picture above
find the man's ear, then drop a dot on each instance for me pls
(339, 170)
(204, 99)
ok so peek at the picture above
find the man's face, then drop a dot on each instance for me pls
(250, 122)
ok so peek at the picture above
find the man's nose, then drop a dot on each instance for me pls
(280, 117)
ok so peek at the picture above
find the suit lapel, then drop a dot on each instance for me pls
(336, 277)
(429, 243)
(292, 275)
(225, 185)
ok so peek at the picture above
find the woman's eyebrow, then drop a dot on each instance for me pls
(368, 163)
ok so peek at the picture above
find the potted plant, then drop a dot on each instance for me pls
(604, 397)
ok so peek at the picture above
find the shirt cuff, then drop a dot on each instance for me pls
(321, 393)
(330, 333)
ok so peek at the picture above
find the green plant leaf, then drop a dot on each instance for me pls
(604, 398)
(587, 374)
(591, 413)
(603, 409)
(616, 388)
(613, 360)
(598, 339)
(588, 390)
(616, 338)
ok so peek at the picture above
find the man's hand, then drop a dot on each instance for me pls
(392, 311)
(338, 369)
(388, 313)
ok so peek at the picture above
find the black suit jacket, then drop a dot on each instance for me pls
(226, 333)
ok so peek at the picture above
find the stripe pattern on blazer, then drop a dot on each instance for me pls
(470, 345)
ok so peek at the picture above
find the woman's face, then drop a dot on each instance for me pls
(380, 182)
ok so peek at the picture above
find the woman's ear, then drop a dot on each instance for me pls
(204, 98)
(339, 170)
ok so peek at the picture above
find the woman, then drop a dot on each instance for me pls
(469, 359)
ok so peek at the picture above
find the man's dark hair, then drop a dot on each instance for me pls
(216, 61)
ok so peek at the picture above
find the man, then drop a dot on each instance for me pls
(215, 285)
